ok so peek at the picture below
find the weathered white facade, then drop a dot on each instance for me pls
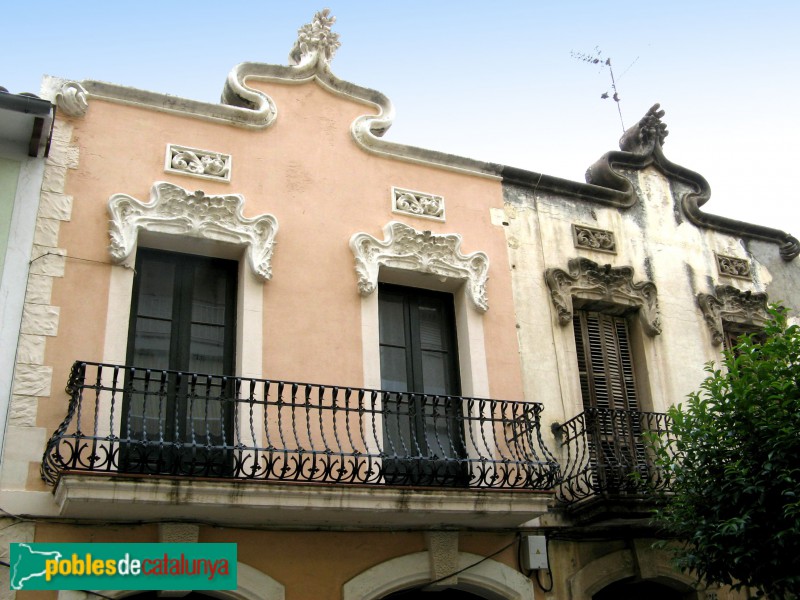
(679, 277)
(411, 460)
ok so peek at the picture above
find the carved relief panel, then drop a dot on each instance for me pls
(198, 163)
(590, 238)
(732, 266)
(418, 204)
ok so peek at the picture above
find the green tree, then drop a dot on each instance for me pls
(736, 474)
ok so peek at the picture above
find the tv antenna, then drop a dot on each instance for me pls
(597, 59)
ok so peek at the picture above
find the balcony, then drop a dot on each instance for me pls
(313, 455)
(608, 463)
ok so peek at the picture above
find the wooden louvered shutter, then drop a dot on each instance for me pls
(604, 361)
(608, 388)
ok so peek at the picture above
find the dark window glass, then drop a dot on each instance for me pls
(418, 342)
(423, 439)
(732, 333)
(183, 318)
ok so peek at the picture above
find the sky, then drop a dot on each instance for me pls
(502, 81)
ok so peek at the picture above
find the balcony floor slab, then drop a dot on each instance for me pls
(288, 505)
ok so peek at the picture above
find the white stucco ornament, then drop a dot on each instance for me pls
(71, 99)
(418, 204)
(198, 163)
(315, 39)
(403, 247)
(174, 210)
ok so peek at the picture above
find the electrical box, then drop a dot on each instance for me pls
(534, 552)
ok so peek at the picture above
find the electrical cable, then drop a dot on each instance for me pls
(88, 260)
(549, 572)
(539, 583)
(421, 587)
(475, 564)
(537, 571)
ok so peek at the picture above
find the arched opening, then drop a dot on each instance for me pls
(635, 590)
(154, 595)
(421, 594)
(403, 577)
(252, 585)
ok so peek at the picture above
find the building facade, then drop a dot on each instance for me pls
(376, 368)
(26, 123)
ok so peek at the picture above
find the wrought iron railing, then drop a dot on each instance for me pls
(125, 419)
(610, 453)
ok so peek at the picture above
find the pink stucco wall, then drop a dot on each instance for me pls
(322, 187)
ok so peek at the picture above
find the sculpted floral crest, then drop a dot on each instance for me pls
(404, 247)
(586, 280)
(174, 210)
(316, 38)
(731, 304)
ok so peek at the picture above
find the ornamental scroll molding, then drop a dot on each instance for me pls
(198, 163)
(174, 210)
(641, 146)
(71, 99)
(403, 247)
(586, 280)
(732, 266)
(732, 305)
(418, 204)
(600, 240)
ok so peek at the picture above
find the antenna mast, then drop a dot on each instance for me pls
(597, 59)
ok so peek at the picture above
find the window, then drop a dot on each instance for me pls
(180, 345)
(608, 388)
(604, 361)
(423, 440)
(732, 331)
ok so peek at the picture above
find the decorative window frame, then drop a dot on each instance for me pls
(591, 238)
(404, 247)
(177, 211)
(733, 266)
(206, 164)
(417, 204)
(185, 216)
(586, 280)
(730, 304)
(408, 257)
